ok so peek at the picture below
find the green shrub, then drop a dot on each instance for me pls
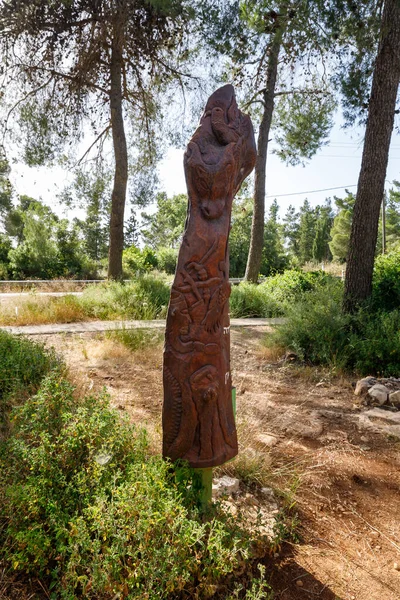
(386, 282)
(4, 271)
(274, 296)
(250, 300)
(136, 339)
(23, 364)
(167, 259)
(315, 329)
(376, 342)
(145, 298)
(86, 509)
(290, 286)
(319, 333)
(139, 261)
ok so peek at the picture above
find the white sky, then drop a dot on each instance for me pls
(336, 165)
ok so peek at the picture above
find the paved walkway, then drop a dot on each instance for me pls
(99, 326)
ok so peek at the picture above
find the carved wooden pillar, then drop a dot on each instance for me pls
(198, 420)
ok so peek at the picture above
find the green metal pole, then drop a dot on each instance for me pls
(205, 483)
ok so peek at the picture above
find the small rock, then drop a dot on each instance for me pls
(268, 492)
(299, 583)
(268, 440)
(230, 507)
(394, 398)
(225, 486)
(379, 393)
(363, 385)
(396, 567)
(250, 500)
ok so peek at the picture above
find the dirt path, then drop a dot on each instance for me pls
(347, 477)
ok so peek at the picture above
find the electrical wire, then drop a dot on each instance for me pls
(341, 187)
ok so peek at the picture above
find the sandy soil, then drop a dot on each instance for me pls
(347, 477)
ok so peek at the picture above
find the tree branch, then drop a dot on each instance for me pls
(21, 100)
(61, 75)
(298, 91)
(93, 144)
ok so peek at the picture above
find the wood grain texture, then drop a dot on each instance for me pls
(198, 421)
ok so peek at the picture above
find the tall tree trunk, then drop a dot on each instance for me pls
(121, 163)
(371, 182)
(257, 226)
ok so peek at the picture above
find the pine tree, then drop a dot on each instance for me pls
(274, 259)
(306, 232)
(321, 251)
(291, 231)
(340, 231)
(91, 62)
(393, 217)
(371, 182)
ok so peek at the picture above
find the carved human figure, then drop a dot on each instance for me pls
(198, 420)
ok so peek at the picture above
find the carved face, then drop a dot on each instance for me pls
(212, 184)
(220, 154)
(204, 383)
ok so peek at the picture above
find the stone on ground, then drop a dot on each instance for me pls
(379, 393)
(363, 385)
(225, 486)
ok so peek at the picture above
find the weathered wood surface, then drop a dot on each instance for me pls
(198, 420)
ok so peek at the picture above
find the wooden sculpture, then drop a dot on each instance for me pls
(198, 420)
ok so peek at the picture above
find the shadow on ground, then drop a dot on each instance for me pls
(290, 581)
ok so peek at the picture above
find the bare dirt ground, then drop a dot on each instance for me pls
(307, 424)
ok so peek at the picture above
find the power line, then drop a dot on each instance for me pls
(342, 187)
(350, 156)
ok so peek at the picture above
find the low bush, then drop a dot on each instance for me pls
(250, 300)
(290, 286)
(137, 339)
(315, 328)
(367, 342)
(136, 261)
(87, 510)
(23, 364)
(376, 343)
(145, 298)
(275, 295)
(167, 259)
(386, 282)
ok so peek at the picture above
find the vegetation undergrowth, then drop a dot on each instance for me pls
(367, 342)
(275, 296)
(92, 514)
(23, 364)
(145, 298)
(137, 339)
(39, 310)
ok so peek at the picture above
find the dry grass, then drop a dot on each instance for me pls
(106, 349)
(41, 310)
(270, 354)
(59, 285)
(332, 268)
